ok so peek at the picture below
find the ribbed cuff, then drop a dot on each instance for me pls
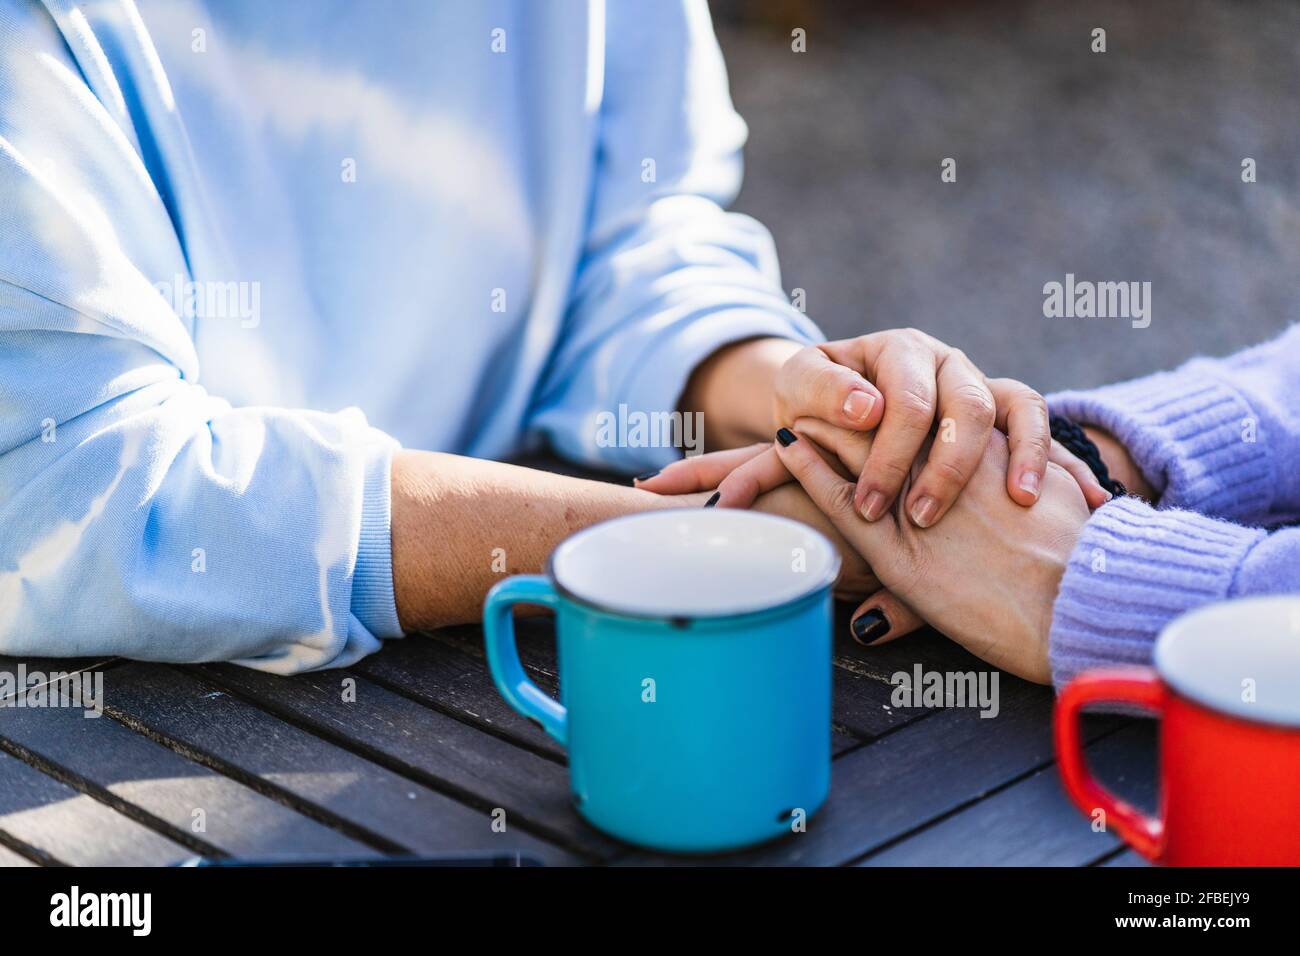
(1191, 435)
(373, 601)
(1133, 570)
(661, 375)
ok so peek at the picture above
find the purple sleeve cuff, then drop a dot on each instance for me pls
(1190, 434)
(1133, 570)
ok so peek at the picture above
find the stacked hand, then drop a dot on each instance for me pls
(898, 424)
(987, 577)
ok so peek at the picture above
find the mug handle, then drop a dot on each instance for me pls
(503, 656)
(1140, 686)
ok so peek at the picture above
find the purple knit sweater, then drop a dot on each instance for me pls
(1219, 439)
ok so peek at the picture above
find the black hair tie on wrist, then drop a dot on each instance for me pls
(1071, 437)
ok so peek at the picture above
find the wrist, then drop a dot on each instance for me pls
(734, 389)
(459, 524)
(1120, 463)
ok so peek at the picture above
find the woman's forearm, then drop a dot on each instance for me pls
(459, 525)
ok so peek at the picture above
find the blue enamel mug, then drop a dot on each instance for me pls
(695, 673)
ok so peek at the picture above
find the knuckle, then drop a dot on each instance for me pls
(839, 501)
(912, 407)
(742, 487)
(792, 368)
(890, 475)
(1035, 404)
(808, 355)
(1033, 398)
(973, 401)
(827, 378)
(1035, 443)
(947, 473)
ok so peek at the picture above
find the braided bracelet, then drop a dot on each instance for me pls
(1071, 437)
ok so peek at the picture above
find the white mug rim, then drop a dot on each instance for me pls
(817, 582)
(1173, 670)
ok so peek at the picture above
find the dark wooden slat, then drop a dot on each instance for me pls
(1127, 858)
(48, 669)
(1033, 822)
(106, 755)
(441, 675)
(72, 827)
(864, 690)
(213, 727)
(47, 664)
(9, 858)
(426, 745)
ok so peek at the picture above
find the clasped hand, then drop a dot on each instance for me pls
(947, 484)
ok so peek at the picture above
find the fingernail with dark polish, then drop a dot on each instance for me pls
(786, 437)
(870, 627)
(647, 476)
(714, 500)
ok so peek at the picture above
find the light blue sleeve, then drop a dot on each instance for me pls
(139, 515)
(667, 276)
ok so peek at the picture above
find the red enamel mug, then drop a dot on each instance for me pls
(1226, 687)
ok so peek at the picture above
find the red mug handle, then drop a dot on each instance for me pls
(1138, 685)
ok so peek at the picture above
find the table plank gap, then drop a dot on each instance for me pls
(477, 769)
(138, 771)
(74, 781)
(444, 678)
(973, 826)
(454, 758)
(362, 799)
(53, 667)
(17, 850)
(46, 814)
(269, 790)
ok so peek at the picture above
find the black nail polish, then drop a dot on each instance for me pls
(714, 500)
(647, 476)
(870, 627)
(786, 437)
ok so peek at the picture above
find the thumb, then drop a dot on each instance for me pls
(883, 618)
(813, 385)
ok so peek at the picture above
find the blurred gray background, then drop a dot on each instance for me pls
(1123, 165)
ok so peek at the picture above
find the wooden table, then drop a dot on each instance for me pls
(413, 751)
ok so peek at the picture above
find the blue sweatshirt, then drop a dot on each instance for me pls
(246, 248)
